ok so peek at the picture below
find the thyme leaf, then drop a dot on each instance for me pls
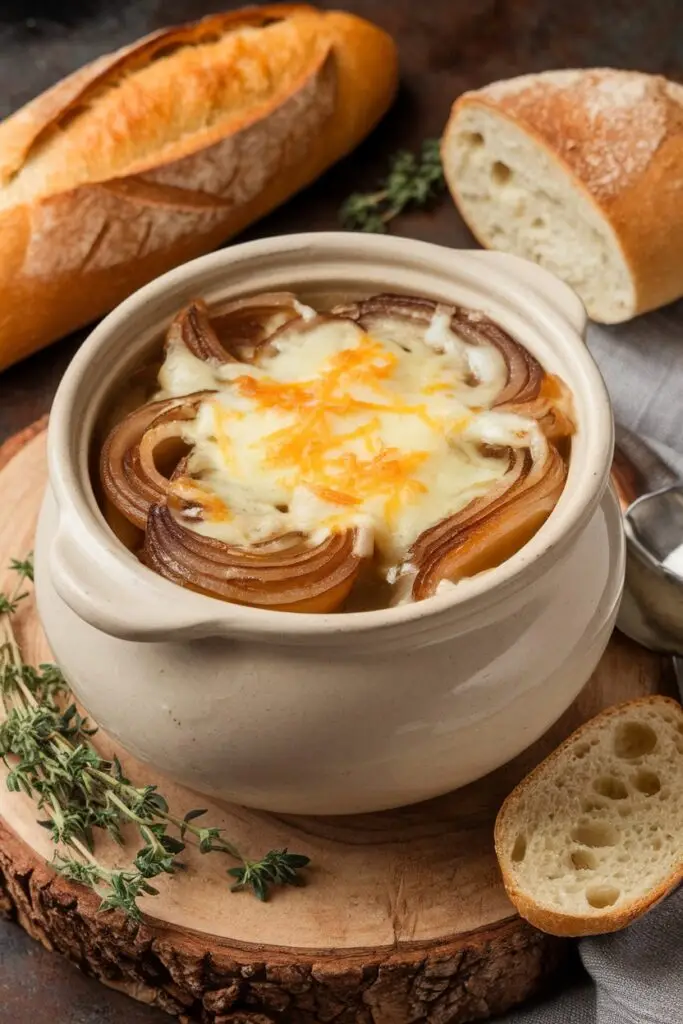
(412, 182)
(46, 746)
(277, 868)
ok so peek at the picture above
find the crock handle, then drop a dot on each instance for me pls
(124, 607)
(538, 279)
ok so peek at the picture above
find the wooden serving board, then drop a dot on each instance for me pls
(404, 918)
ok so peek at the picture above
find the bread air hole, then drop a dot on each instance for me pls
(519, 849)
(591, 804)
(634, 739)
(595, 833)
(474, 139)
(647, 782)
(601, 896)
(500, 173)
(583, 860)
(611, 787)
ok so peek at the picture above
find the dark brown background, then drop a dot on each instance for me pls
(446, 46)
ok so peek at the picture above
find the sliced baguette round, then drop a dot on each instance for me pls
(593, 837)
(161, 151)
(582, 172)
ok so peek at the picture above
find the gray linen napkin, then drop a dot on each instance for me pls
(634, 976)
(642, 363)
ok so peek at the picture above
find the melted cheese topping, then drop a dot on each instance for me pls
(338, 428)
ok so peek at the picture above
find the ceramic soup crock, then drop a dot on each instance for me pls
(332, 714)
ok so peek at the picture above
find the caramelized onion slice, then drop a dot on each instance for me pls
(404, 319)
(429, 541)
(193, 328)
(141, 452)
(290, 575)
(244, 325)
(418, 310)
(233, 332)
(552, 408)
(295, 330)
(524, 372)
(489, 539)
(398, 318)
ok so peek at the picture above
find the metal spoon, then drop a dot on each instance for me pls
(651, 611)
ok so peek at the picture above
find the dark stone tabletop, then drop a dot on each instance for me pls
(445, 46)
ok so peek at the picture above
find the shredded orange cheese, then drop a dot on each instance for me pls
(336, 429)
(190, 491)
(220, 418)
(334, 497)
(311, 446)
(312, 450)
(436, 386)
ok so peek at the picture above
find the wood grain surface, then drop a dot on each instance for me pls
(405, 918)
(446, 46)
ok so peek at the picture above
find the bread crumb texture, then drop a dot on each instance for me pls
(517, 197)
(612, 121)
(597, 829)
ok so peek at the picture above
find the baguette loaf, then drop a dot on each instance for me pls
(593, 837)
(581, 171)
(158, 153)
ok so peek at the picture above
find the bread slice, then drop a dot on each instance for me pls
(582, 172)
(157, 153)
(593, 837)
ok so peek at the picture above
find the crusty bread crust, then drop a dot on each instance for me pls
(507, 823)
(619, 135)
(107, 181)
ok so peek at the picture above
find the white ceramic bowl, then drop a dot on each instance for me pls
(333, 713)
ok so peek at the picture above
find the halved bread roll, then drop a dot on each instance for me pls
(593, 837)
(582, 172)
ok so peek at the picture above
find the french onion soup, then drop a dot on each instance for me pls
(332, 461)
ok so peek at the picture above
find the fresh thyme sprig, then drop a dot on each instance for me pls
(412, 182)
(45, 744)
